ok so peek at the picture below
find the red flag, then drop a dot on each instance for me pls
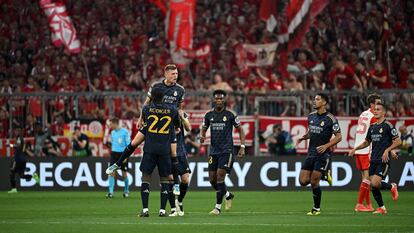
(63, 31)
(179, 28)
(256, 55)
(160, 4)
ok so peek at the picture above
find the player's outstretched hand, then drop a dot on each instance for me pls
(394, 155)
(385, 157)
(321, 149)
(241, 153)
(351, 152)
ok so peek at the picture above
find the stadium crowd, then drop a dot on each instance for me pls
(125, 48)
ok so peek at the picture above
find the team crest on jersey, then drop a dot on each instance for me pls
(322, 123)
(224, 118)
(311, 122)
(380, 130)
(175, 93)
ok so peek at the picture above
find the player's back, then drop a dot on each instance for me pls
(159, 119)
(364, 121)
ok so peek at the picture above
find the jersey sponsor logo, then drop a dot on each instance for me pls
(224, 118)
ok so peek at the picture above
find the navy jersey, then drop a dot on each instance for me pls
(381, 136)
(19, 150)
(159, 122)
(321, 128)
(181, 151)
(173, 95)
(221, 130)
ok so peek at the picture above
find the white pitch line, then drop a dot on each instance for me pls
(143, 222)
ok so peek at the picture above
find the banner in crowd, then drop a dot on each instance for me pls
(251, 173)
(255, 55)
(295, 126)
(61, 26)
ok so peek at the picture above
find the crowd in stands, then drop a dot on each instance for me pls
(125, 48)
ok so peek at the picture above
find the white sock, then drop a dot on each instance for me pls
(145, 210)
(162, 211)
(227, 194)
(218, 206)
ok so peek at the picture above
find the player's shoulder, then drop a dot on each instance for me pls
(233, 113)
(208, 112)
(157, 82)
(331, 116)
(179, 86)
(389, 124)
(314, 113)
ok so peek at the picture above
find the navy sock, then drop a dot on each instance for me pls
(378, 197)
(171, 197)
(13, 180)
(145, 194)
(126, 154)
(214, 185)
(183, 191)
(385, 186)
(221, 190)
(164, 195)
(317, 195)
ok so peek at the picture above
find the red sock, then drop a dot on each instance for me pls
(362, 191)
(367, 192)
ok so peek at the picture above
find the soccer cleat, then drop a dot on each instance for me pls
(362, 208)
(36, 178)
(329, 178)
(144, 214)
(380, 211)
(394, 191)
(14, 190)
(176, 189)
(229, 202)
(180, 208)
(126, 195)
(369, 208)
(215, 211)
(109, 196)
(314, 212)
(173, 213)
(111, 169)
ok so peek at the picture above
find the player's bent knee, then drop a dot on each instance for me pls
(304, 182)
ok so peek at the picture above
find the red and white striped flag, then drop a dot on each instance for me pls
(63, 31)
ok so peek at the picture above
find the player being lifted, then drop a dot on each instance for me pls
(384, 138)
(159, 148)
(362, 156)
(220, 161)
(322, 125)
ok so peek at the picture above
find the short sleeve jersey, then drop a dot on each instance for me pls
(321, 128)
(221, 130)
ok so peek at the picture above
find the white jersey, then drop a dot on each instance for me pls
(365, 120)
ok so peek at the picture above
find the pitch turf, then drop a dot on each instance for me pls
(252, 212)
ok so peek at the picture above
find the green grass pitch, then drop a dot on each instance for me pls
(275, 211)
